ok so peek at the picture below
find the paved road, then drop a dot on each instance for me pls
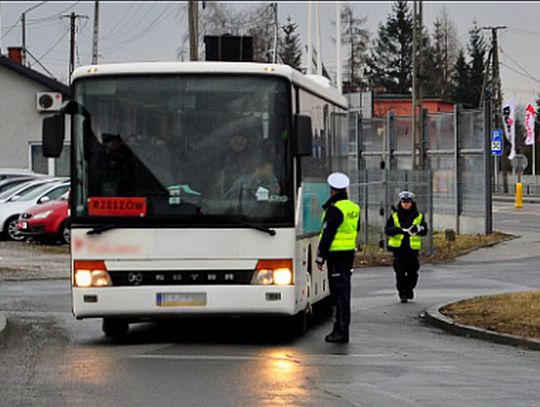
(394, 359)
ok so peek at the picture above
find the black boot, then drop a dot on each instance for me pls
(337, 337)
(410, 294)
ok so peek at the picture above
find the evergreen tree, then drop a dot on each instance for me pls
(461, 80)
(477, 52)
(390, 61)
(290, 50)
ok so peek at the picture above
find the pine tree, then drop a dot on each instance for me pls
(290, 49)
(461, 80)
(356, 38)
(390, 61)
(477, 52)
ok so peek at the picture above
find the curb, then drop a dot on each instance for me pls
(435, 318)
(3, 327)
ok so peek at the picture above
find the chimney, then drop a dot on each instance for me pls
(15, 54)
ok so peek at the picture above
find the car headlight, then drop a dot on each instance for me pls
(91, 274)
(43, 215)
(273, 272)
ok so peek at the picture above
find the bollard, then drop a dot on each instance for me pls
(519, 195)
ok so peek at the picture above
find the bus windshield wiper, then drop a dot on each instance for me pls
(262, 228)
(97, 230)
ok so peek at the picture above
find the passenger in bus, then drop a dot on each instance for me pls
(260, 184)
(405, 228)
(337, 246)
(238, 161)
(114, 166)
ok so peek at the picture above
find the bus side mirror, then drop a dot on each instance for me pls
(303, 136)
(53, 135)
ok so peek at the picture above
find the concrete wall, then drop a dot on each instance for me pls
(20, 122)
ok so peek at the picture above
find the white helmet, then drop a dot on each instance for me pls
(406, 196)
(338, 180)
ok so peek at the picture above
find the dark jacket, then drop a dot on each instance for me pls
(406, 219)
(331, 222)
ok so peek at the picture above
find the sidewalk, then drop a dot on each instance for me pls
(511, 198)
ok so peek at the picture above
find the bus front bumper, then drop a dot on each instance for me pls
(157, 302)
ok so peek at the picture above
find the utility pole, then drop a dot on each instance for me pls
(417, 102)
(193, 21)
(96, 34)
(72, 40)
(23, 27)
(276, 28)
(338, 47)
(496, 98)
(309, 38)
(319, 41)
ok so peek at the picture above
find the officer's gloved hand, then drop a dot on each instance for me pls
(320, 263)
(413, 230)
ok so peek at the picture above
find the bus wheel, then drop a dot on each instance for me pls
(114, 328)
(298, 323)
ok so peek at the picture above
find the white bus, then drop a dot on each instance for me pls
(197, 189)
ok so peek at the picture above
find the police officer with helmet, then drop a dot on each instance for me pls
(337, 245)
(405, 228)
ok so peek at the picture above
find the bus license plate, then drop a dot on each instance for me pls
(181, 299)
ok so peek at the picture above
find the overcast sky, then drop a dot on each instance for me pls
(153, 31)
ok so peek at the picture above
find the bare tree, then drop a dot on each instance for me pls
(445, 51)
(356, 38)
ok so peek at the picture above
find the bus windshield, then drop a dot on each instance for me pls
(196, 149)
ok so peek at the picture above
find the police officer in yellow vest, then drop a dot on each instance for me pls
(337, 245)
(405, 228)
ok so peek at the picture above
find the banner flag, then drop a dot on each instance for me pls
(530, 117)
(508, 114)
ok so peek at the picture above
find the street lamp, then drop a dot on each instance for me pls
(23, 24)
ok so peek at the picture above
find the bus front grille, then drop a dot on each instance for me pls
(183, 277)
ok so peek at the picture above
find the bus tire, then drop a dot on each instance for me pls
(114, 328)
(298, 324)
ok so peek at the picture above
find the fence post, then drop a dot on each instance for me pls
(362, 174)
(429, 175)
(457, 166)
(488, 207)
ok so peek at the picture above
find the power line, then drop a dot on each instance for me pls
(54, 45)
(518, 64)
(520, 73)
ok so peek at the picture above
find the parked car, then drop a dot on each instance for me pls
(13, 182)
(6, 173)
(46, 221)
(12, 209)
(21, 189)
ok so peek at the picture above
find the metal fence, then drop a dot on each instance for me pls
(452, 188)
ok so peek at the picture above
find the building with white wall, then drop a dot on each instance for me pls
(26, 97)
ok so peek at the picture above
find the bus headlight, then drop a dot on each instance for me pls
(91, 274)
(273, 272)
(83, 278)
(282, 276)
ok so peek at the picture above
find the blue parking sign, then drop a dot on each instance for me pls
(496, 142)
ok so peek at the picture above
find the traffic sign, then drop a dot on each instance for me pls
(496, 142)
(520, 162)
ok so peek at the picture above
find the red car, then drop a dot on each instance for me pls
(46, 221)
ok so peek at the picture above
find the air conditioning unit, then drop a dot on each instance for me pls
(48, 101)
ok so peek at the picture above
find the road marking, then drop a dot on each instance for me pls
(243, 357)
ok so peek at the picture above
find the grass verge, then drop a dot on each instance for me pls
(516, 314)
(444, 251)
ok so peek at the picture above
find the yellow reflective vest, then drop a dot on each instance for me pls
(414, 241)
(347, 232)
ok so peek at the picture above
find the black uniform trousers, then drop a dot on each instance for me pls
(339, 275)
(406, 266)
